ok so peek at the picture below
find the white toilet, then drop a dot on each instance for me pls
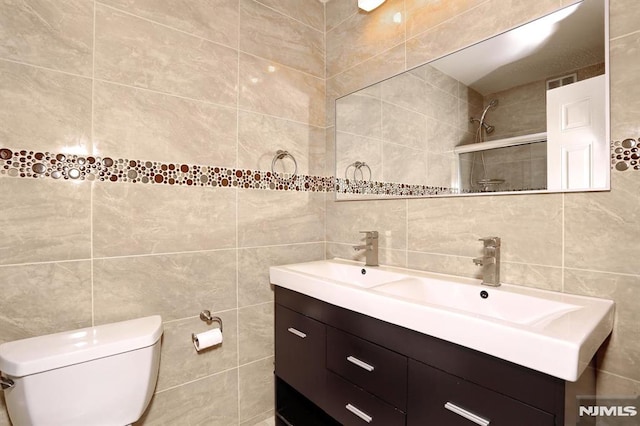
(103, 375)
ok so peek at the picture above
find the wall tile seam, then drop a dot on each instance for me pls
(168, 253)
(279, 245)
(327, 31)
(238, 248)
(43, 68)
(333, 76)
(287, 119)
(197, 316)
(236, 49)
(199, 379)
(256, 361)
(45, 262)
(288, 67)
(598, 271)
(125, 12)
(249, 422)
(232, 107)
(280, 12)
(618, 376)
(511, 262)
(255, 305)
(446, 21)
(631, 34)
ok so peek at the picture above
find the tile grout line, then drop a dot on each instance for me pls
(237, 243)
(237, 196)
(172, 95)
(151, 21)
(363, 62)
(326, 127)
(91, 186)
(448, 20)
(624, 35)
(237, 49)
(40, 67)
(157, 254)
(286, 16)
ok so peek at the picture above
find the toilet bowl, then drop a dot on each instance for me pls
(103, 375)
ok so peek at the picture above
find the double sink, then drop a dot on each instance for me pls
(551, 332)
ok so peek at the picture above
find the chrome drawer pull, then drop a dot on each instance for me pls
(364, 416)
(466, 414)
(359, 363)
(298, 333)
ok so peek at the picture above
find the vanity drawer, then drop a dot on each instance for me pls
(352, 406)
(439, 398)
(376, 369)
(300, 344)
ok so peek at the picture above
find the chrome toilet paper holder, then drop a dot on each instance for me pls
(208, 318)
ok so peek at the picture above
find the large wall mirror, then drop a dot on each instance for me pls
(524, 111)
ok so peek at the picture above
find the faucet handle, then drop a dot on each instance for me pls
(490, 241)
(370, 234)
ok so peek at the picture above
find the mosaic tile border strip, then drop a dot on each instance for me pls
(35, 164)
(625, 154)
(350, 186)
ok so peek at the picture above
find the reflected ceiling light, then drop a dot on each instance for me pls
(369, 5)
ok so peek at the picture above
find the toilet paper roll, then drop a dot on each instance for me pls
(207, 339)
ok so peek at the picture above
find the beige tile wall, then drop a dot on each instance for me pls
(211, 79)
(578, 243)
(213, 82)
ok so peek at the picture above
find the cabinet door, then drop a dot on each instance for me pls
(300, 353)
(438, 398)
(373, 368)
(352, 406)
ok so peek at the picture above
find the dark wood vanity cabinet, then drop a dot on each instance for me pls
(438, 398)
(301, 343)
(335, 366)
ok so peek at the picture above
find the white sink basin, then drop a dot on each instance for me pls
(547, 331)
(347, 273)
(502, 305)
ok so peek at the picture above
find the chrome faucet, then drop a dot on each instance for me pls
(370, 247)
(490, 261)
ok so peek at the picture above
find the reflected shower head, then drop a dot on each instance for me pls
(488, 128)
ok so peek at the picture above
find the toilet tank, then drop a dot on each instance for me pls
(97, 375)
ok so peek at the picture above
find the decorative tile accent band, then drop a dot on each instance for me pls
(34, 164)
(625, 155)
(367, 187)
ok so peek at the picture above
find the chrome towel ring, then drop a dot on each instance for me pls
(357, 167)
(280, 154)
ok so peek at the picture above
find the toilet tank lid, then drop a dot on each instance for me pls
(38, 354)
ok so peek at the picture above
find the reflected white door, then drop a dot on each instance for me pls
(577, 148)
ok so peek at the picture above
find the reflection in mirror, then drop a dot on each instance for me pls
(526, 110)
